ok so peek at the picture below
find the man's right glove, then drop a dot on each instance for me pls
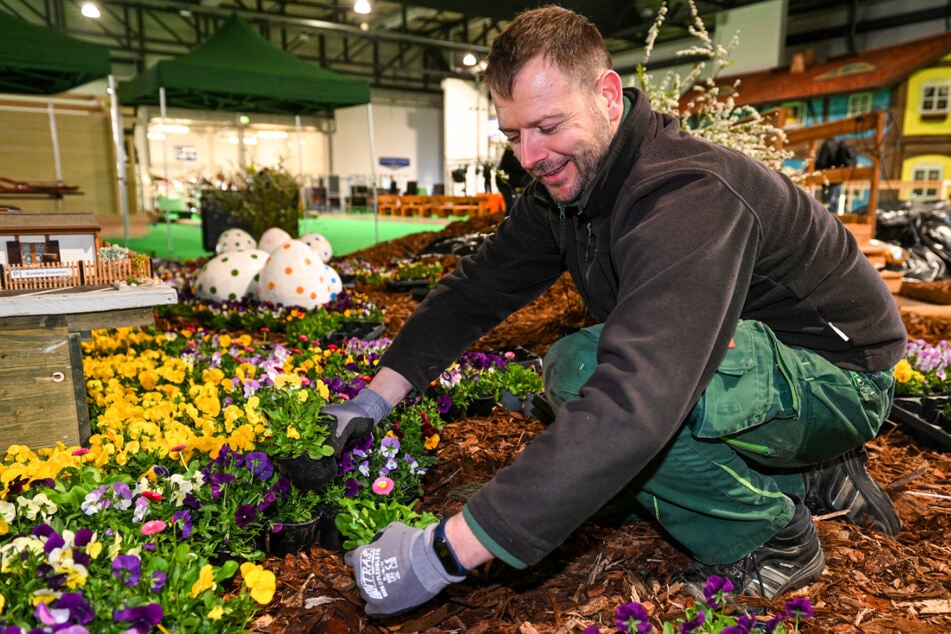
(399, 569)
(355, 418)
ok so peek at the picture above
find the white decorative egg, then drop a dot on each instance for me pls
(295, 276)
(235, 240)
(319, 244)
(273, 238)
(333, 279)
(231, 276)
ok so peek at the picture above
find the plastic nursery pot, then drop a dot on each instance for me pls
(404, 286)
(481, 406)
(306, 473)
(365, 330)
(329, 536)
(292, 538)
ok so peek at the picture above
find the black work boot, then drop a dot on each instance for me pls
(789, 560)
(843, 484)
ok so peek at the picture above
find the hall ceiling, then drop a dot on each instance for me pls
(401, 45)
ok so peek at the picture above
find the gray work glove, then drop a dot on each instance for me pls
(398, 570)
(355, 418)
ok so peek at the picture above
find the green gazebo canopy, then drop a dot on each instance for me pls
(35, 60)
(238, 70)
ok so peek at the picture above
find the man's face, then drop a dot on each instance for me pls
(559, 130)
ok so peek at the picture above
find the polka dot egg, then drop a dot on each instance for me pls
(333, 278)
(319, 245)
(295, 276)
(235, 240)
(272, 239)
(231, 276)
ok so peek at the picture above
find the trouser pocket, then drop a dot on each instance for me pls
(749, 387)
(788, 407)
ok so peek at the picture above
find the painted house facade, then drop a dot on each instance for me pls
(909, 82)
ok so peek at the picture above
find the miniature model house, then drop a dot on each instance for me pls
(35, 237)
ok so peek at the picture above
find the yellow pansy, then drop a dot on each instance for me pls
(903, 371)
(293, 433)
(206, 581)
(216, 613)
(431, 442)
(260, 582)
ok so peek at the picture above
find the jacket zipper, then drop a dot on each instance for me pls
(589, 252)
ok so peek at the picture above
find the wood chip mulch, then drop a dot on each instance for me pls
(872, 583)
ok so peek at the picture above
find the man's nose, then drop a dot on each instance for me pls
(533, 152)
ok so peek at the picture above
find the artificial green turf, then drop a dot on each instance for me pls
(346, 233)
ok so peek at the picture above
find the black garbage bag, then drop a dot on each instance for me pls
(923, 264)
(934, 231)
(454, 245)
(896, 226)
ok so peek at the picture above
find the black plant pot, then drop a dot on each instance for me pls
(405, 286)
(481, 406)
(330, 536)
(306, 473)
(365, 330)
(511, 402)
(292, 538)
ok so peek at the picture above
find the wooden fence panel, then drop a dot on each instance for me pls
(41, 276)
(106, 272)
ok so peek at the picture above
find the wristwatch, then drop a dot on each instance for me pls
(447, 557)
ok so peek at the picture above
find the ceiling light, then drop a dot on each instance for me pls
(362, 7)
(90, 10)
(156, 136)
(364, 26)
(469, 59)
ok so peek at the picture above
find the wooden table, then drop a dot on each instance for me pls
(42, 385)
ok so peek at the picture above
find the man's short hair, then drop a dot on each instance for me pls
(566, 39)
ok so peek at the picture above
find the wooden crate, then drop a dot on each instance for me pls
(42, 389)
(42, 385)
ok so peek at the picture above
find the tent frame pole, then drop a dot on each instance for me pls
(117, 138)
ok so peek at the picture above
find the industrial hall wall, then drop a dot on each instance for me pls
(86, 152)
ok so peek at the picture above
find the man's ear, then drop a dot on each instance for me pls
(611, 90)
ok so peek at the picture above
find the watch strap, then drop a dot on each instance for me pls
(445, 553)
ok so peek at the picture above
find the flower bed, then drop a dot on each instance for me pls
(162, 519)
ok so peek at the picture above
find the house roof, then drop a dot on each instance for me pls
(870, 70)
(47, 222)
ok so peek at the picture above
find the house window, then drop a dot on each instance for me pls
(934, 97)
(32, 252)
(860, 103)
(795, 113)
(926, 173)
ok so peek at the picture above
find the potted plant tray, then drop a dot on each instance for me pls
(926, 418)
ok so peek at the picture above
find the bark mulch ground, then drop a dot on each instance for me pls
(872, 582)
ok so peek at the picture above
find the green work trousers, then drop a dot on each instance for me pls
(720, 487)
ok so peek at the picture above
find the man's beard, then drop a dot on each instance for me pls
(587, 165)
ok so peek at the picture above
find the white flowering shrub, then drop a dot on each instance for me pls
(113, 253)
(711, 112)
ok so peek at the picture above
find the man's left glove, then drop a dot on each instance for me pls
(399, 570)
(355, 418)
